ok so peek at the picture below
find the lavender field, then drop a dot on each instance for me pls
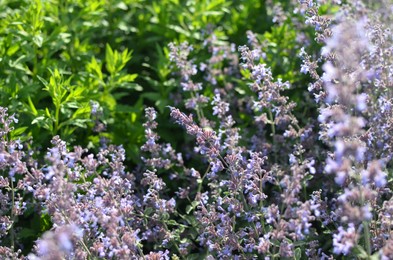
(196, 129)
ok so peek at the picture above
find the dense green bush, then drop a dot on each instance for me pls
(58, 56)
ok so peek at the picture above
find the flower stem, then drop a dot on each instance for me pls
(367, 243)
(12, 233)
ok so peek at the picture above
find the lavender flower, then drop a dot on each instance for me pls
(345, 240)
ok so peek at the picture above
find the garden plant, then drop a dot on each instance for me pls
(196, 129)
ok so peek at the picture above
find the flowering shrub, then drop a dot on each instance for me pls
(286, 151)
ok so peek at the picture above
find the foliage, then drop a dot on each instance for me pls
(195, 129)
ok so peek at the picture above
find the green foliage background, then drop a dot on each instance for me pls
(57, 56)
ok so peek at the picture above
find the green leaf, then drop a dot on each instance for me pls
(75, 122)
(19, 131)
(82, 111)
(38, 40)
(71, 104)
(190, 219)
(189, 208)
(45, 222)
(172, 222)
(127, 78)
(32, 107)
(116, 61)
(179, 30)
(165, 216)
(26, 233)
(148, 211)
(44, 82)
(298, 253)
(38, 119)
(360, 252)
(110, 59)
(109, 100)
(13, 49)
(95, 68)
(47, 113)
(375, 256)
(125, 109)
(151, 96)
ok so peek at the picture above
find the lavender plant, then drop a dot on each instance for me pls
(255, 177)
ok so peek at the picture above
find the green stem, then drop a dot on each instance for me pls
(12, 233)
(366, 228)
(35, 61)
(203, 177)
(271, 119)
(57, 119)
(198, 110)
(367, 239)
(261, 190)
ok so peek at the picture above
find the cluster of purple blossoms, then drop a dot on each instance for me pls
(265, 183)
